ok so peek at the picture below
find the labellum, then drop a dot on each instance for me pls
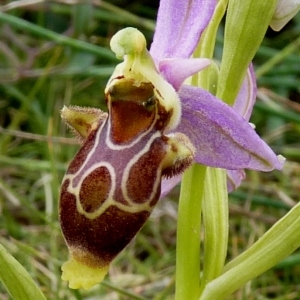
(114, 181)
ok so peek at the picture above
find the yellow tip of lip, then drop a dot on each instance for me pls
(82, 276)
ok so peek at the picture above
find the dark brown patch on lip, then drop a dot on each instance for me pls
(143, 174)
(94, 189)
(95, 242)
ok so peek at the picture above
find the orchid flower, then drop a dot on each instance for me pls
(222, 137)
(157, 125)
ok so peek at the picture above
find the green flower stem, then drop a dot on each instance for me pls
(215, 221)
(188, 234)
(277, 243)
(58, 38)
(213, 193)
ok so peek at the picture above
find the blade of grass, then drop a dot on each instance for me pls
(122, 291)
(58, 38)
(274, 60)
(29, 163)
(278, 111)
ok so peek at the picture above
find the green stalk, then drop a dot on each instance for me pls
(188, 234)
(215, 200)
(195, 187)
(277, 243)
(215, 221)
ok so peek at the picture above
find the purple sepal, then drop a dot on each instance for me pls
(179, 26)
(222, 137)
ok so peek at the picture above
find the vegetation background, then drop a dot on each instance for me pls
(55, 53)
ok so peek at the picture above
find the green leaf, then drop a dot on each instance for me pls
(58, 38)
(16, 279)
(277, 243)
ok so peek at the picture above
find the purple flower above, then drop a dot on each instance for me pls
(221, 134)
(179, 26)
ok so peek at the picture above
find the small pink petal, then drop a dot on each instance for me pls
(176, 71)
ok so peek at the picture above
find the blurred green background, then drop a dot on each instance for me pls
(55, 53)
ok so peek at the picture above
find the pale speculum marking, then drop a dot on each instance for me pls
(98, 185)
